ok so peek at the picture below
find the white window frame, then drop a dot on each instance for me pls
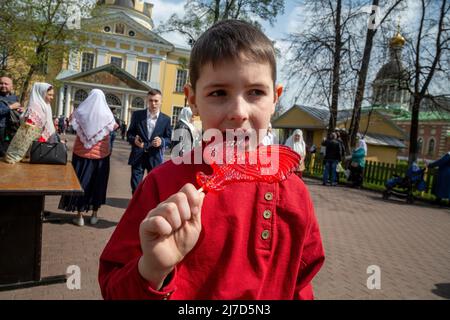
(148, 70)
(174, 118)
(421, 146)
(428, 146)
(177, 80)
(117, 57)
(82, 61)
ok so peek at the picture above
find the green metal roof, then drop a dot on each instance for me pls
(425, 116)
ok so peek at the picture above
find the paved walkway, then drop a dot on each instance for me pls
(409, 243)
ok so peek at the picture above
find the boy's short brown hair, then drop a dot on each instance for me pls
(227, 40)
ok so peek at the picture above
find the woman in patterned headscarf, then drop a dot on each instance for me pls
(38, 123)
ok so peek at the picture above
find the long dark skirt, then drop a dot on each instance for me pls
(93, 175)
(356, 176)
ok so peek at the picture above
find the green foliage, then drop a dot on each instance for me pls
(201, 14)
(36, 33)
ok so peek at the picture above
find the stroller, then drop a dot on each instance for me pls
(403, 187)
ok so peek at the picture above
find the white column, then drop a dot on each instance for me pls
(71, 106)
(60, 101)
(125, 107)
(101, 57)
(154, 74)
(68, 101)
(131, 64)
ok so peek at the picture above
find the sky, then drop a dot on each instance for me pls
(292, 20)
(285, 23)
(163, 9)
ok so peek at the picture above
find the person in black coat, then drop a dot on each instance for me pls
(333, 154)
(10, 109)
(149, 135)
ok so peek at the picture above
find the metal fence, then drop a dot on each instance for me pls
(375, 173)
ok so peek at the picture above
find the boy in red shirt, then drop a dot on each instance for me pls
(252, 240)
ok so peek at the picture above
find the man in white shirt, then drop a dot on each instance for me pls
(149, 134)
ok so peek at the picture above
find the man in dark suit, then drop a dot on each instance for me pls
(149, 134)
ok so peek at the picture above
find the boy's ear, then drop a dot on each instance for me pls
(190, 95)
(278, 92)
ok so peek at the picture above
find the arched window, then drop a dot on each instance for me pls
(112, 100)
(120, 28)
(419, 145)
(138, 103)
(431, 145)
(80, 96)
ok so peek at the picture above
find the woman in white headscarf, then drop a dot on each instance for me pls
(93, 121)
(38, 123)
(358, 162)
(39, 111)
(270, 137)
(184, 136)
(296, 143)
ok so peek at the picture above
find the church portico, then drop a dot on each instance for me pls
(124, 93)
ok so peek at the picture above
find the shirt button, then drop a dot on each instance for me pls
(267, 214)
(268, 196)
(265, 234)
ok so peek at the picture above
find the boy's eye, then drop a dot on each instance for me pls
(256, 92)
(217, 93)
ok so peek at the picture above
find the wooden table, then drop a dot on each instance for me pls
(23, 187)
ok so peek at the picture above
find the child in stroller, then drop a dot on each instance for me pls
(403, 187)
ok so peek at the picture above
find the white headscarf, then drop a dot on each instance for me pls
(93, 119)
(39, 111)
(297, 146)
(362, 144)
(186, 116)
(270, 137)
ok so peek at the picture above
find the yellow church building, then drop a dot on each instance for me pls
(124, 58)
(384, 138)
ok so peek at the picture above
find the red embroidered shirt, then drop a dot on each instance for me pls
(258, 241)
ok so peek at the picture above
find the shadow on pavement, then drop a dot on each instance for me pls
(66, 218)
(417, 202)
(118, 202)
(442, 290)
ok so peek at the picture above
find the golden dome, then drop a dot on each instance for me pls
(397, 40)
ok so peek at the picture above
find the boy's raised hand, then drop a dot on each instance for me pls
(168, 233)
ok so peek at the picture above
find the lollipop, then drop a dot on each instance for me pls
(273, 163)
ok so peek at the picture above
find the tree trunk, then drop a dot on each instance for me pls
(26, 84)
(413, 134)
(362, 77)
(336, 70)
(216, 11)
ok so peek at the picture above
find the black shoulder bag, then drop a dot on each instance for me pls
(48, 153)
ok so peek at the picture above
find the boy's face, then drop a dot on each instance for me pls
(237, 94)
